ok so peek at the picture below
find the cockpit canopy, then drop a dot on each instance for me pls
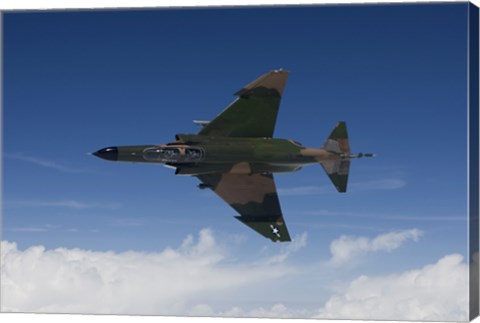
(173, 154)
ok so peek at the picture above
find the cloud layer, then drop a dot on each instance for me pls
(79, 281)
(196, 277)
(347, 248)
(437, 292)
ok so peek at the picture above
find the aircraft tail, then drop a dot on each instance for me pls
(338, 169)
(338, 140)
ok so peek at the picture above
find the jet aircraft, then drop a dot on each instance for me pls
(235, 155)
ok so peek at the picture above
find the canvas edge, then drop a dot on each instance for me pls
(473, 160)
(473, 148)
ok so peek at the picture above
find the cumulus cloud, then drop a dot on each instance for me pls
(80, 281)
(347, 248)
(200, 278)
(437, 292)
(297, 243)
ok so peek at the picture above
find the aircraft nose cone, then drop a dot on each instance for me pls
(109, 153)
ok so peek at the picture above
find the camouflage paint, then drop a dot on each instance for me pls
(235, 155)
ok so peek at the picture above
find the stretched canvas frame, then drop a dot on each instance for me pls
(16, 160)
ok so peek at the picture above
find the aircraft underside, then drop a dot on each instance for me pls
(235, 155)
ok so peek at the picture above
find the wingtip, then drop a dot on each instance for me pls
(272, 80)
(280, 70)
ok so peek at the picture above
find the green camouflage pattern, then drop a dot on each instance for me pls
(235, 155)
(254, 196)
(254, 113)
(338, 169)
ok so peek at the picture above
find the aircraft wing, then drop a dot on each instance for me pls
(255, 198)
(254, 113)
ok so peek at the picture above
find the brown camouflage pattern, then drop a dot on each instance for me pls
(236, 155)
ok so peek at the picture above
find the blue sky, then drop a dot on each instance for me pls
(75, 82)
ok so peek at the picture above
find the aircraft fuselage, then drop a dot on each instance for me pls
(193, 154)
(234, 155)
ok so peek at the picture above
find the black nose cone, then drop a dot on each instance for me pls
(109, 153)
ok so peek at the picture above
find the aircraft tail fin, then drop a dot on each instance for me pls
(337, 141)
(338, 169)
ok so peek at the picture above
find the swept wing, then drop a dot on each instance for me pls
(255, 198)
(254, 112)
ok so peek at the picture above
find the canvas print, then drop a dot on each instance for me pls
(320, 162)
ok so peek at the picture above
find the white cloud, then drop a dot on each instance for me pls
(381, 184)
(278, 310)
(297, 243)
(390, 217)
(72, 204)
(347, 248)
(196, 277)
(303, 190)
(45, 163)
(80, 281)
(28, 229)
(437, 292)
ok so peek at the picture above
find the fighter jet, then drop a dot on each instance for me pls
(235, 155)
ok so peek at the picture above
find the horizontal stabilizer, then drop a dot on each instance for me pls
(337, 171)
(273, 229)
